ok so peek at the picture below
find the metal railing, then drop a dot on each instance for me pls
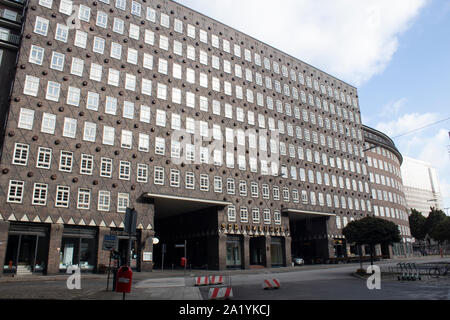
(17, 18)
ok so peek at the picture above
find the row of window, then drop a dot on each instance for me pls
(383, 195)
(390, 212)
(62, 197)
(385, 181)
(383, 165)
(118, 26)
(255, 215)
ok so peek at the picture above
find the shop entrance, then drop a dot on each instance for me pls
(78, 248)
(257, 251)
(27, 250)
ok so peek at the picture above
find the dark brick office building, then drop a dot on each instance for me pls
(215, 138)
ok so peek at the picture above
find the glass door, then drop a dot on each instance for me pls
(234, 253)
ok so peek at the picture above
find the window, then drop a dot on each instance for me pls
(70, 127)
(77, 67)
(142, 173)
(86, 164)
(26, 118)
(204, 182)
(255, 215)
(62, 32)
(110, 105)
(90, 130)
(96, 72)
(66, 161)
(99, 45)
(41, 26)
(102, 19)
(20, 156)
(266, 216)
(31, 86)
(84, 198)
(104, 199)
(53, 90)
(231, 213)
(80, 39)
(160, 147)
(46, 3)
(126, 140)
(15, 191)
(244, 214)
(62, 196)
(106, 167)
(118, 25)
(73, 96)
(123, 199)
(44, 158)
(65, 7)
(57, 62)
(158, 176)
(36, 55)
(174, 178)
(124, 170)
(190, 180)
(108, 135)
(160, 118)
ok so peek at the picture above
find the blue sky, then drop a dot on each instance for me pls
(397, 53)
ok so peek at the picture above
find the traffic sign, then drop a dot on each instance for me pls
(110, 242)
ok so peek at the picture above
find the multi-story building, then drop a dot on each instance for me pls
(388, 198)
(219, 141)
(421, 185)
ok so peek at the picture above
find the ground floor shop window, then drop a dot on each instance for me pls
(234, 252)
(276, 251)
(78, 248)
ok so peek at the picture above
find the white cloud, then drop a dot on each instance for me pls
(393, 107)
(406, 123)
(350, 39)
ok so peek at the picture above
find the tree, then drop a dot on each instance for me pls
(434, 219)
(417, 224)
(441, 232)
(371, 231)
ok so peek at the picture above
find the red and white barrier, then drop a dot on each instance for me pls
(271, 284)
(215, 279)
(220, 293)
(202, 281)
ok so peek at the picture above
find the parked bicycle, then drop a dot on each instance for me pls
(437, 271)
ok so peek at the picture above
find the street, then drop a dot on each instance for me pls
(316, 282)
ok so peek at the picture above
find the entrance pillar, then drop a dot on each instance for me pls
(268, 255)
(222, 251)
(287, 251)
(54, 248)
(246, 252)
(4, 227)
(103, 255)
(146, 246)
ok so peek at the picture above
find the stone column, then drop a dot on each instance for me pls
(246, 251)
(54, 248)
(222, 252)
(268, 240)
(287, 251)
(102, 255)
(4, 227)
(146, 246)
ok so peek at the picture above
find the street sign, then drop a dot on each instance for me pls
(110, 242)
(179, 246)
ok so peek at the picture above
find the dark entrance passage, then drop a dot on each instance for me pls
(257, 251)
(27, 250)
(307, 232)
(186, 225)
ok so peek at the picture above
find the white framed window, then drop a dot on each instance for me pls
(174, 178)
(57, 62)
(92, 101)
(124, 170)
(244, 214)
(80, 39)
(84, 198)
(142, 173)
(26, 119)
(110, 105)
(66, 161)
(77, 67)
(267, 216)
(20, 155)
(73, 96)
(62, 33)
(204, 182)
(86, 164)
(44, 158)
(190, 180)
(62, 196)
(53, 90)
(46, 3)
(126, 140)
(108, 135)
(123, 200)
(41, 26)
(90, 130)
(70, 127)
(36, 55)
(106, 167)
(102, 19)
(158, 176)
(231, 213)
(31, 86)
(15, 191)
(104, 200)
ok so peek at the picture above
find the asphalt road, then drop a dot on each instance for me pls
(325, 282)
